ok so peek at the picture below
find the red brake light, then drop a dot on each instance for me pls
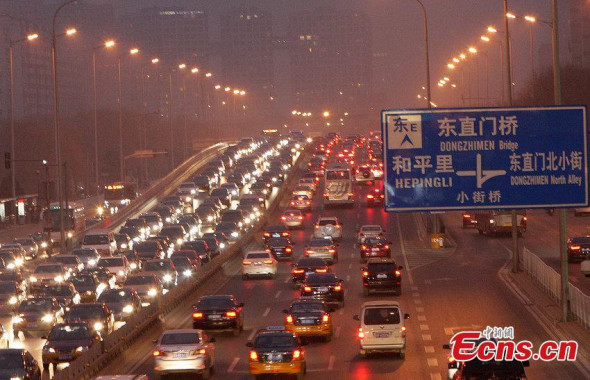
(332, 250)
(575, 247)
(307, 289)
(361, 334)
(321, 270)
(386, 246)
(197, 315)
(297, 271)
(398, 273)
(268, 261)
(246, 262)
(325, 318)
(300, 218)
(283, 218)
(370, 196)
(202, 351)
(157, 353)
(253, 356)
(297, 354)
(338, 288)
(365, 274)
(288, 249)
(231, 314)
(289, 319)
(363, 247)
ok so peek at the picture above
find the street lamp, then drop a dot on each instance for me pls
(326, 114)
(107, 45)
(132, 51)
(181, 66)
(30, 37)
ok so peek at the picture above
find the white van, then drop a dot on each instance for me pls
(101, 240)
(382, 328)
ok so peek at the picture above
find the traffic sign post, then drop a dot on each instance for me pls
(485, 158)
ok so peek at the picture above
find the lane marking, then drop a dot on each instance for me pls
(419, 309)
(428, 282)
(432, 362)
(341, 312)
(414, 288)
(426, 337)
(287, 280)
(403, 249)
(251, 336)
(417, 301)
(415, 294)
(266, 312)
(331, 362)
(233, 364)
(424, 327)
(278, 294)
(350, 266)
(422, 318)
(429, 349)
(347, 277)
(435, 376)
(337, 332)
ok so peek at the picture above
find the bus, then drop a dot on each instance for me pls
(116, 196)
(338, 185)
(74, 222)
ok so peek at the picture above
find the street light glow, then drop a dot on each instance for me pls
(326, 113)
(485, 38)
(242, 92)
(109, 43)
(134, 51)
(182, 66)
(456, 60)
(155, 60)
(472, 50)
(446, 79)
(194, 70)
(530, 18)
(450, 66)
(217, 86)
(227, 89)
(453, 85)
(491, 29)
(208, 75)
(294, 112)
(71, 31)
(462, 56)
(510, 15)
(32, 37)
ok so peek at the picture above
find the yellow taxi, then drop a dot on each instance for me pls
(275, 350)
(309, 318)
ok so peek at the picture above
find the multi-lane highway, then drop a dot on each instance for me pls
(444, 291)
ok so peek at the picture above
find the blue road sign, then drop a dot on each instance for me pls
(485, 158)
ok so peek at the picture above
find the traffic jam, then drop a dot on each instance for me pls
(73, 300)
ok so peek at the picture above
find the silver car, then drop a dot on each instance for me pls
(184, 351)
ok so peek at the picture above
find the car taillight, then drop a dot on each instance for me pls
(267, 250)
(575, 247)
(268, 261)
(338, 288)
(197, 315)
(331, 250)
(288, 249)
(231, 314)
(307, 203)
(363, 247)
(350, 194)
(325, 318)
(365, 274)
(398, 273)
(158, 353)
(467, 216)
(307, 289)
(361, 334)
(246, 262)
(202, 351)
(300, 218)
(321, 270)
(292, 203)
(317, 226)
(266, 234)
(307, 252)
(289, 319)
(285, 234)
(370, 196)
(296, 354)
(386, 246)
(297, 271)
(283, 218)
(253, 356)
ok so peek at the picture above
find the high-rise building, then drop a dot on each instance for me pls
(246, 50)
(331, 58)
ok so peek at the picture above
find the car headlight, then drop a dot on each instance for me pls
(188, 199)
(82, 349)
(179, 241)
(18, 262)
(12, 300)
(167, 278)
(178, 210)
(137, 239)
(247, 220)
(43, 245)
(49, 349)
(187, 273)
(70, 235)
(240, 224)
(193, 191)
(128, 309)
(222, 245)
(91, 262)
(11, 266)
(32, 278)
(274, 179)
(59, 278)
(152, 292)
(47, 318)
(209, 218)
(133, 266)
(235, 234)
(123, 245)
(121, 273)
(168, 219)
(17, 319)
(89, 292)
(98, 326)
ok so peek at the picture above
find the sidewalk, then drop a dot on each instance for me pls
(548, 313)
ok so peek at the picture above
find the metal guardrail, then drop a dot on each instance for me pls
(115, 343)
(550, 281)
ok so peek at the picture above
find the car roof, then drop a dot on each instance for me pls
(381, 260)
(370, 225)
(380, 303)
(182, 331)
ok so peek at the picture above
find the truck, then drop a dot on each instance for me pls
(494, 222)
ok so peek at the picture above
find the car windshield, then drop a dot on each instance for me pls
(278, 242)
(35, 304)
(147, 246)
(371, 229)
(275, 341)
(325, 222)
(303, 307)
(96, 239)
(332, 175)
(321, 279)
(69, 332)
(111, 262)
(66, 259)
(180, 338)
(180, 261)
(320, 243)
(311, 262)
(58, 291)
(86, 312)
(581, 240)
(11, 360)
(219, 193)
(156, 266)
(84, 252)
(261, 255)
(82, 281)
(215, 303)
(115, 295)
(172, 231)
(24, 241)
(140, 280)
(49, 269)
(386, 315)
(375, 240)
(381, 267)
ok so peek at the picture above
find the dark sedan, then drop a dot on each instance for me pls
(18, 363)
(578, 248)
(375, 247)
(323, 286)
(218, 312)
(280, 248)
(306, 266)
(121, 302)
(66, 342)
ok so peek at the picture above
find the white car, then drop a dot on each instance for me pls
(309, 182)
(303, 190)
(369, 231)
(292, 218)
(186, 351)
(259, 263)
(48, 273)
(382, 328)
(119, 265)
(327, 227)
